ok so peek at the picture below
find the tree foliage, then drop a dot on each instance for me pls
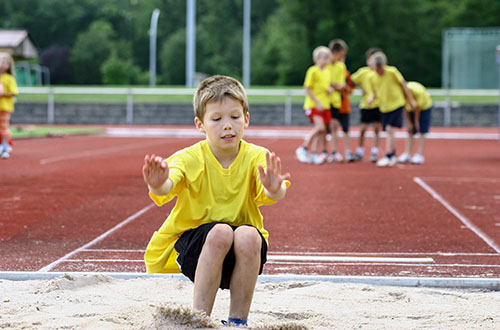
(94, 41)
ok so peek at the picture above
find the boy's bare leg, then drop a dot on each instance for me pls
(376, 130)
(209, 269)
(318, 129)
(421, 144)
(247, 250)
(335, 139)
(362, 132)
(409, 143)
(347, 142)
(390, 145)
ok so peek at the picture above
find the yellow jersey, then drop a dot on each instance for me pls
(364, 79)
(9, 85)
(318, 80)
(389, 90)
(207, 192)
(337, 76)
(421, 96)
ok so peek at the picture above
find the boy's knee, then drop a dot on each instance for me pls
(247, 241)
(221, 236)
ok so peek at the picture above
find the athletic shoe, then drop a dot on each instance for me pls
(349, 157)
(387, 162)
(9, 149)
(302, 156)
(417, 159)
(317, 159)
(335, 157)
(404, 158)
(374, 157)
(5, 154)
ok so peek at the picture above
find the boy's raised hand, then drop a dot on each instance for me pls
(271, 178)
(155, 171)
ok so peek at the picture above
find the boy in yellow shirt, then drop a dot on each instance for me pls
(338, 72)
(362, 78)
(419, 121)
(214, 234)
(316, 107)
(8, 90)
(392, 93)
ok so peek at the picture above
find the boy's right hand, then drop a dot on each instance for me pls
(155, 171)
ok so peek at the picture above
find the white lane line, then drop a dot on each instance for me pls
(446, 254)
(346, 259)
(462, 218)
(277, 133)
(312, 263)
(318, 259)
(98, 239)
(461, 179)
(96, 152)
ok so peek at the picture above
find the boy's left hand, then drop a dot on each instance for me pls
(272, 178)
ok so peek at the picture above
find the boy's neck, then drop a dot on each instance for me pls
(225, 157)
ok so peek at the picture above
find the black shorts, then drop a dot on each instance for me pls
(369, 116)
(189, 247)
(393, 118)
(343, 119)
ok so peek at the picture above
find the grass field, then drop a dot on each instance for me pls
(31, 131)
(101, 98)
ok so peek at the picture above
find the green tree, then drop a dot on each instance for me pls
(91, 49)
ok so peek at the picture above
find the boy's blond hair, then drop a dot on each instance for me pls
(11, 70)
(378, 59)
(216, 89)
(338, 45)
(321, 50)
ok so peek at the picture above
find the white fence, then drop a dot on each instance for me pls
(286, 94)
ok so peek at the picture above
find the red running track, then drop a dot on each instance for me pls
(79, 204)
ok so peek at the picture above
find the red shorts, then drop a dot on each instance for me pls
(325, 114)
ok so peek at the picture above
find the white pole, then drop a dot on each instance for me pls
(152, 46)
(190, 41)
(498, 62)
(246, 42)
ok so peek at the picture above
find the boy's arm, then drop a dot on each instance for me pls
(409, 95)
(272, 179)
(155, 173)
(314, 98)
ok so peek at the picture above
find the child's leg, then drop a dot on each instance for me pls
(247, 250)
(409, 143)
(421, 144)
(390, 145)
(335, 139)
(319, 127)
(4, 130)
(209, 269)
(376, 131)
(362, 132)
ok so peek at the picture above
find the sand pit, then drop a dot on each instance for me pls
(102, 302)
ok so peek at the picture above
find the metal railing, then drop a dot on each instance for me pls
(286, 94)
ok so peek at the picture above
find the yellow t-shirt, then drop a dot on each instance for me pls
(9, 85)
(364, 79)
(207, 192)
(389, 91)
(318, 81)
(423, 99)
(337, 76)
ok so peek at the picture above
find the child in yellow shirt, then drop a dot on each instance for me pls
(8, 90)
(419, 121)
(392, 93)
(214, 234)
(316, 107)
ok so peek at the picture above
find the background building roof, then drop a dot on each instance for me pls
(18, 44)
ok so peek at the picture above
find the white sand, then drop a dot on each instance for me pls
(100, 302)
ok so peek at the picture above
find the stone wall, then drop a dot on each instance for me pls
(182, 114)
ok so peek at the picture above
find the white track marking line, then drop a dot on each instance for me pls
(95, 152)
(99, 238)
(271, 253)
(462, 218)
(277, 133)
(461, 179)
(347, 259)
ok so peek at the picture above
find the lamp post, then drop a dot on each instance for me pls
(190, 41)
(152, 47)
(498, 62)
(246, 43)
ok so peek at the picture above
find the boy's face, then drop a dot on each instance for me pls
(4, 64)
(223, 124)
(322, 60)
(379, 69)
